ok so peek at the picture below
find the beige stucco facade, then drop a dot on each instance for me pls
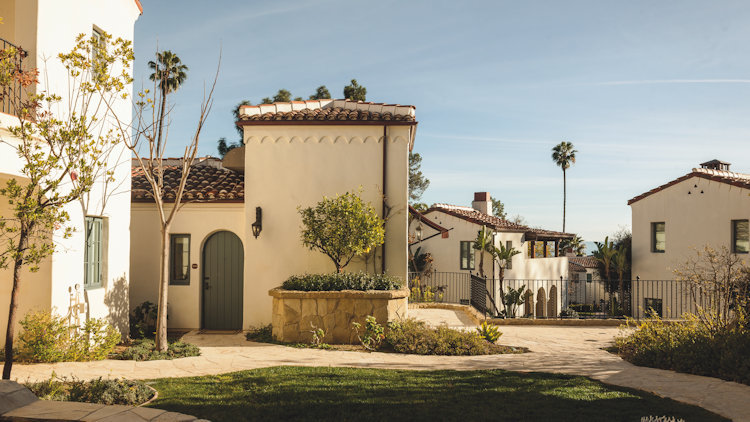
(45, 28)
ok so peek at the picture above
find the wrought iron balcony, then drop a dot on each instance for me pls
(11, 91)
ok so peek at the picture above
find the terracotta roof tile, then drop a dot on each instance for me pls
(327, 110)
(206, 183)
(584, 261)
(731, 178)
(476, 217)
(574, 267)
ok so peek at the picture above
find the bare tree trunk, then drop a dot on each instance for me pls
(565, 197)
(161, 317)
(10, 331)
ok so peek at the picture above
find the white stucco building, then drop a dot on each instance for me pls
(294, 154)
(539, 266)
(708, 206)
(43, 29)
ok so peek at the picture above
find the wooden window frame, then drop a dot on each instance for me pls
(172, 240)
(734, 236)
(468, 247)
(653, 237)
(100, 262)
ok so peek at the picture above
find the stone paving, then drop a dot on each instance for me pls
(568, 350)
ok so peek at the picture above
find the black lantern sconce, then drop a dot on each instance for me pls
(258, 225)
(419, 232)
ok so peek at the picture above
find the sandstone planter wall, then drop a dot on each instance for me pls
(295, 313)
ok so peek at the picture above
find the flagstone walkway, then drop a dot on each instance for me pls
(567, 350)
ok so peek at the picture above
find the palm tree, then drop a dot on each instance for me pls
(621, 265)
(503, 255)
(564, 155)
(483, 243)
(606, 253)
(574, 245)
(169, 73)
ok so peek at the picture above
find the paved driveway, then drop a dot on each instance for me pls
(568, 350)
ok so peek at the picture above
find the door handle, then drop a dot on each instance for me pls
(206, 286)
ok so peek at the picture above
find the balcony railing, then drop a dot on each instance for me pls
(10, 92)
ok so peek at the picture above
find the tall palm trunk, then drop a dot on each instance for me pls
(161, 318)
(162, 110)
(565, 197)
(10, 331)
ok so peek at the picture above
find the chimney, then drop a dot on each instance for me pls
(482, 202)
(716, 165)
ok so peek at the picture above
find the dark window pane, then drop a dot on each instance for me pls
(741, 236)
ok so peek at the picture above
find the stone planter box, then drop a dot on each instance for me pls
(295, 313)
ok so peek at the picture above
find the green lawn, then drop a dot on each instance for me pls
(295, 393)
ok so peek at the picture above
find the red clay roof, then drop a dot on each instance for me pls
(140, 7)
(574, 267)
(413, 211)
(326, 111)
(731, 178)
(473, 216)
(206, 183)
(585, 261)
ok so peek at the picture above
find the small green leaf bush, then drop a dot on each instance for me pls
(145, 349)
(689, 347)
(46, 337)
(373, 335)
(342, 281)
(143, 320)
(412, 336)
(102, 391)
(489, 332)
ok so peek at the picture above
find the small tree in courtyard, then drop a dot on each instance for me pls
(342, 228)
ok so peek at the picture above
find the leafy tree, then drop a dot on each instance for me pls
(498, 209)
(605, 254)
(503, 255)
(418, 183)
(283, 96)
(342, 228)
(518, 219)
(266, 100)
(420, 206)
(564, 155)
(483, 243)
(223, 147)
(355, 91)
(169, 73)
(61, 154)
(321, 93)
(152, 167)
(574, 245)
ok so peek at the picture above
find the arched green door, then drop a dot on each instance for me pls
(223, 264)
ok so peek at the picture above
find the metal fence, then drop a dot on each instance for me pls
(10, 95)
(557, 298)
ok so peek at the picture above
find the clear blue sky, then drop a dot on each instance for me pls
(645, 90)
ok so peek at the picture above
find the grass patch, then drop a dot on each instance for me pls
(295, 393)
(145, 349)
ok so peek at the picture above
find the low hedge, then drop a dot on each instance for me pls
(689, 347)
(415, 337)
(102, 391)
(342, 281)
(145, 349)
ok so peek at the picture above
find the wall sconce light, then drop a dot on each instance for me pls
(258, 225)
(418, 232)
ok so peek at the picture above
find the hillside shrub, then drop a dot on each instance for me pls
(342, 281)
(689, 347)
(46, 337)
(102, 391)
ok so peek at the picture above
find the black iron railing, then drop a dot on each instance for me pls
(11, 92)
(558, 298)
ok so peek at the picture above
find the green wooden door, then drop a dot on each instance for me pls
(223, 262)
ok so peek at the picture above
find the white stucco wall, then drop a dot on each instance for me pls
(294, 166)
(58, 24)
(692, 221)
(199, 220)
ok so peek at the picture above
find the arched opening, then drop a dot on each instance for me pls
(528, 309)
(541, 303)
(222, 282)
(552, 310)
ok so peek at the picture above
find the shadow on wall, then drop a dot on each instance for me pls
(117, 299)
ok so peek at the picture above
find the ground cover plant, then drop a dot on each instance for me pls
(103, 391)
(342, 281)
(415, 337)
(294, 393)
(145, 349)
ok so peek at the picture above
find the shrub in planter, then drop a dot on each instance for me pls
(342, 281)
(103, 391)
(46, 337)
(145, 349)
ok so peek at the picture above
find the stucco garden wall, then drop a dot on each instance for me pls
(296, 313)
